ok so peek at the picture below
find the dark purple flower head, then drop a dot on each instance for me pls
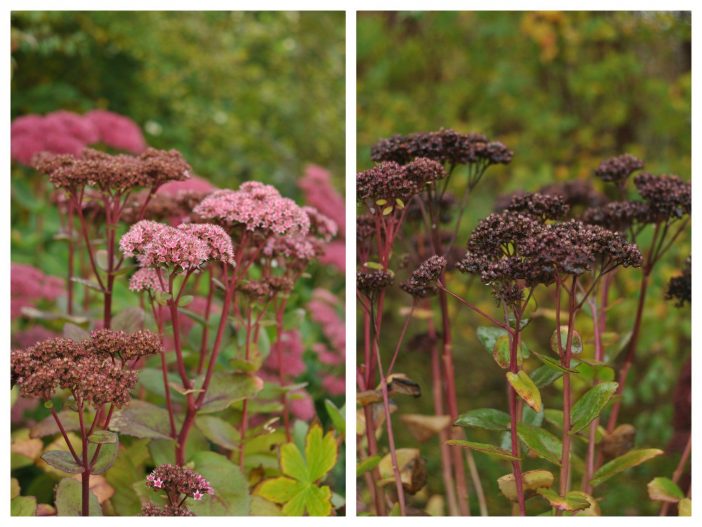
(617, 215)
(667, 196)
(618, 169)
(422, 283)
(539, 206)
(365, 227)
(373, 280)
(444, 146)
(576, 193)
(390, 181)
(255, 289)
(680, 287)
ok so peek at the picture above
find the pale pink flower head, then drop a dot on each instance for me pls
(257, 207)
(298, 248)
(146, 279)
(321, 225)
(219, 243)
(117, 131)
(155, 244)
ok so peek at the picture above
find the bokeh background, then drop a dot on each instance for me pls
(563, 90)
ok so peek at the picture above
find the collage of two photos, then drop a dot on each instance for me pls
(182, 289)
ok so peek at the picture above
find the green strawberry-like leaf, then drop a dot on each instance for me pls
(299, 489)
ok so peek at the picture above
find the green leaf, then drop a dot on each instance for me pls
(590, 405)
(185, 300)
(485, 418)
(484, 448)
(622, 463)
(553, 363)
(367, 465)
(664, 489)
(69, 499)
(320, 452)
(62, 460)
(571, 502)
(337, 416)
(105, 458)
(130, 320)
(227, 388)
(264, 507)
(543, 443)
(128, 470)
(231, 491)
(23, 506)
(488, 335)
(298, 490)
(143, 420)
(103, 436)
(525, 388)
(218, 431)
(576, 344)
(545, 375)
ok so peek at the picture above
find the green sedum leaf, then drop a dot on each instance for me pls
(546, 445)
(69, 499)
(525, 388)
(590, 405)
(337, 416)
(622, 463)
(484, 448)
(231, 491)
(571, 502)
(367, 465)
(485, 418)
(218, 431)
(62, 460)
(664, 489)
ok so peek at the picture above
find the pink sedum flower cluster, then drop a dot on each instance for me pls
(64, 132)
(255, 206)
(186, 246)
(146, 279)
(319, 192)
(176, 480)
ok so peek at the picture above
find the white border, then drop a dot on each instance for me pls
(350, 7)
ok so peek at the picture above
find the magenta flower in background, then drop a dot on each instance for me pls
(29, 285)
(323, 312)
(117, 131)
(64, 132)
(335, 255)
(193, 184)
(321, 194)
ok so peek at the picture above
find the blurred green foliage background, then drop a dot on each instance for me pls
(563, 90)
(241, 95)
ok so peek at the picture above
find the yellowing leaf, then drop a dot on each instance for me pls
(525, 388)
(320, 452)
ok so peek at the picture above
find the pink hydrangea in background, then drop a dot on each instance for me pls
(29, 285)
(64, 132)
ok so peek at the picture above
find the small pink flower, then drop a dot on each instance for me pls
(157, 483)
(197, 495)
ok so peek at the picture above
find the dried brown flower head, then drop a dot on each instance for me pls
(422, 283)
(373, 280)
(618, 169)
(539, 206)
(390, 181)
(680, 287)
(667, 196)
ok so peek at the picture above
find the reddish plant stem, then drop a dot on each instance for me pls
(388, 427)
(245, 404)
(444, 434)
(65, 436)
(630, 353)
(164, 369)
(376, 491)
(281, 366)
(514, 415)
(677, 474)
(70, 286)
(564, 481)
(104, 427)
(452, 400)
(405, 325)
(206, 328)
(85, 475)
